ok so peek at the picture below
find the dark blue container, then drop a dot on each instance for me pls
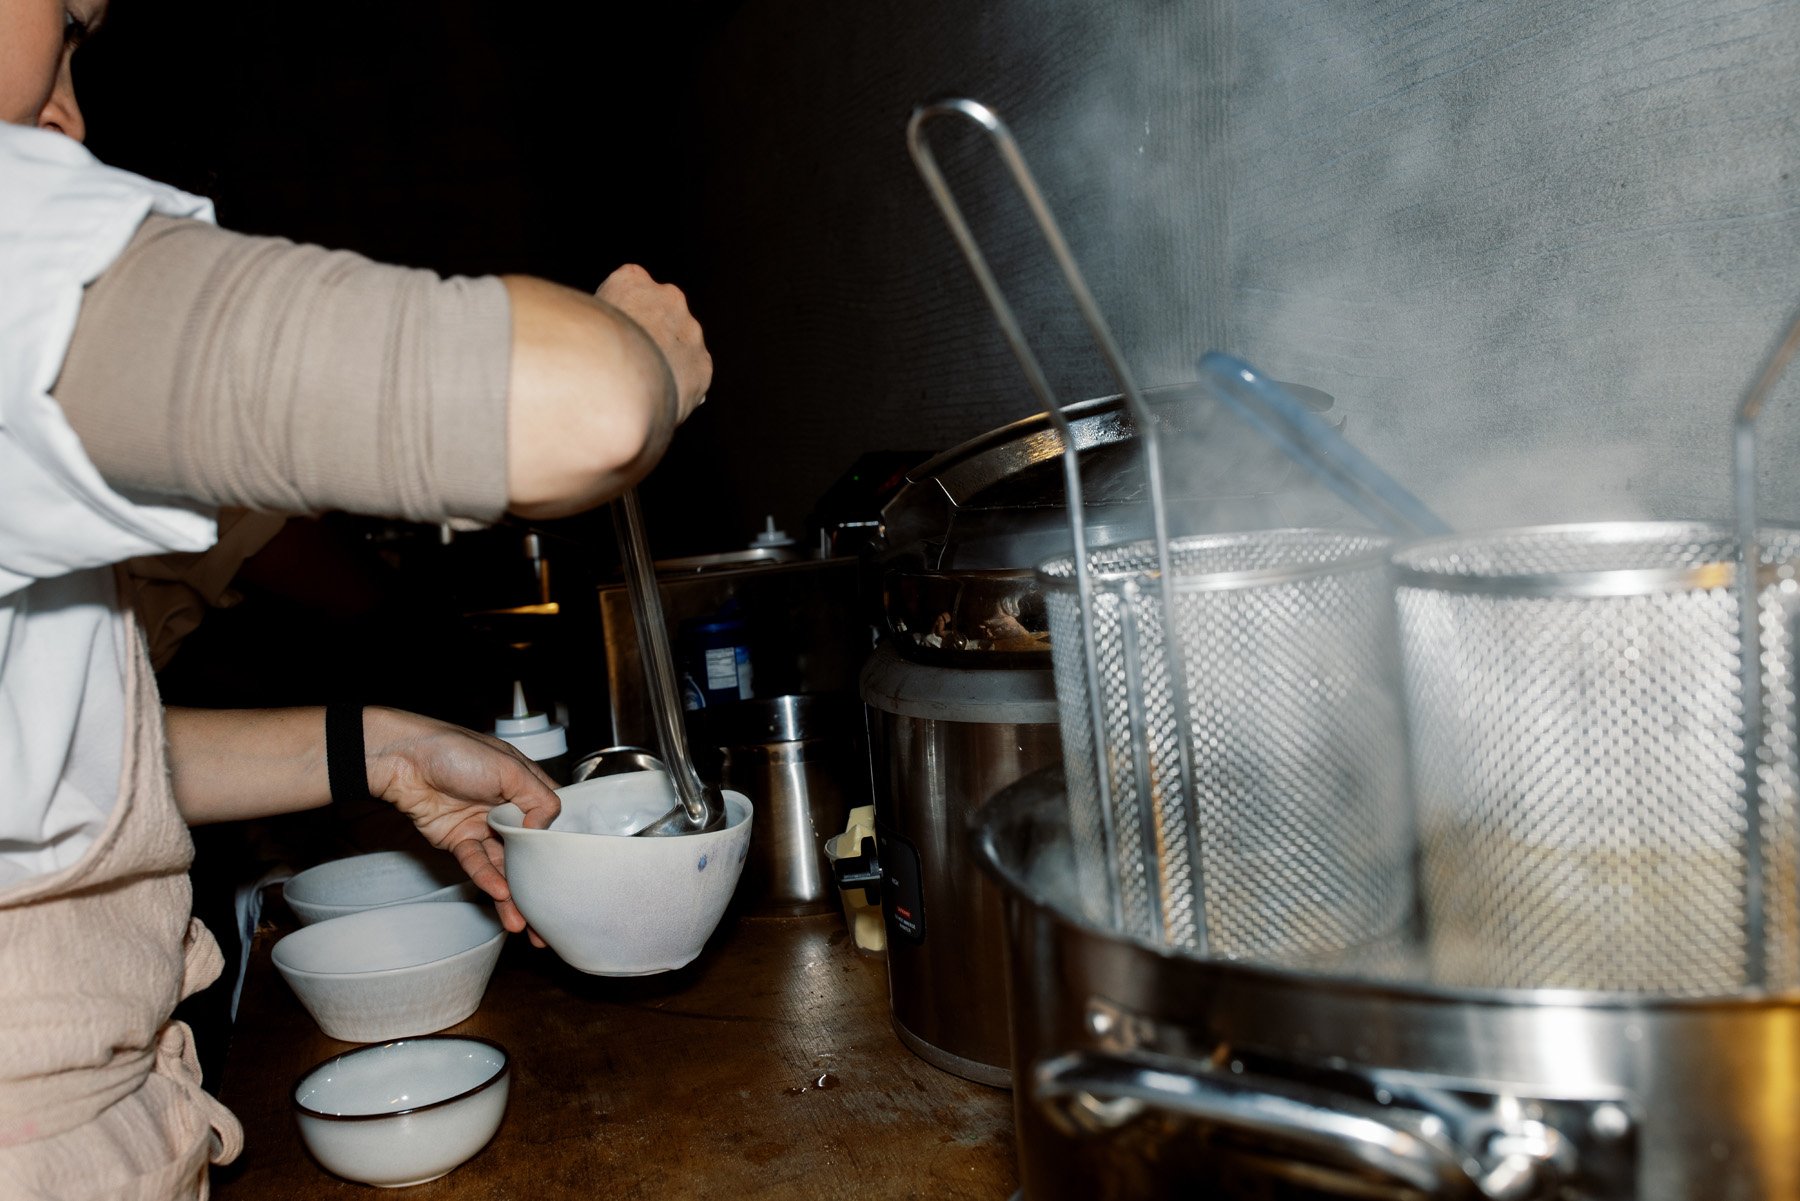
(715, 654)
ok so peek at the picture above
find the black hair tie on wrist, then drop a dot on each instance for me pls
(346, 763)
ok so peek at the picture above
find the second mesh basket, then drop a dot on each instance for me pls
(1293, 843)
(1585, 814)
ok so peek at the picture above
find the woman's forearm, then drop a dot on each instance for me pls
(232, 764)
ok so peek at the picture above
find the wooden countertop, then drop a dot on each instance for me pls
(767, 1068)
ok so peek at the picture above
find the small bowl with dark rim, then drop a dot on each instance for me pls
(403, 1112)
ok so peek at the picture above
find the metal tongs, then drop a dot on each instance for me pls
(701, 807)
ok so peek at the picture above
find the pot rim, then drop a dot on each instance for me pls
(1600, 582)
(1005, 809)
(1058, 574)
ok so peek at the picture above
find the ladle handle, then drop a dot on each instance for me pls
(653, 647)
(1315, 445)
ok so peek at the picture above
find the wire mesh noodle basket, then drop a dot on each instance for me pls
(1289, 839)
(1229, 703)
(1604, 748)
(1585, 816)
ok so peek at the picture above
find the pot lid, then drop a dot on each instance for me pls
(962, 538)
(979, 505)
(999, 501)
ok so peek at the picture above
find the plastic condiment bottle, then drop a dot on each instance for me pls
(770, 535)
(540, 739)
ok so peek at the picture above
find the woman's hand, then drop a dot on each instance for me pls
(235, 764)
(661, 311)
(445, 779)
(596, 387)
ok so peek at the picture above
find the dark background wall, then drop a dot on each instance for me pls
(1495, 233)
(1535, 251)
(467, 136)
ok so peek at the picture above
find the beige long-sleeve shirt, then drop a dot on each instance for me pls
(263, 375)
(202, 367)
(254, 372)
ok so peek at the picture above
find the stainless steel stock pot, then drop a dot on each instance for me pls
(1142, 1072)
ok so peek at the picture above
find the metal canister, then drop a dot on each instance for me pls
(797, 758)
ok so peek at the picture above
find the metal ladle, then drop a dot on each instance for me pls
(701, 807)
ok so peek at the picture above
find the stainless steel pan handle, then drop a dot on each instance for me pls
(1088, 1091)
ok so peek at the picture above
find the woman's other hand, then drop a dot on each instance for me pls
(237, 764)
(445, 779)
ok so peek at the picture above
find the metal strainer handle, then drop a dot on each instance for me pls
(1014, 160)
(1749, 637)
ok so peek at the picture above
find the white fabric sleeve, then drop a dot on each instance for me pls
(64, 218)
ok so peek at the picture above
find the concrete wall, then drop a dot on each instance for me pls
(1537, 250)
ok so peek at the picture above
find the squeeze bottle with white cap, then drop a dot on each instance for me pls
(540, 739)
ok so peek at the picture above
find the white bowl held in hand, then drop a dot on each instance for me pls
(614, 905)
(392, 972)
(405, 1112)
(379, 878)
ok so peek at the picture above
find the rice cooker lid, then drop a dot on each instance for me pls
(999, 501)
(932, 692)
(962, 538)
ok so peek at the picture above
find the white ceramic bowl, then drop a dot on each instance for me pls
(619, 906)
(402, 1113)
(392, 972)
(380, 878)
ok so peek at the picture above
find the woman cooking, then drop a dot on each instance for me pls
(153, 369)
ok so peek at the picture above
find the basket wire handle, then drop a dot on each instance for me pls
(1008, 148)
(1750, 684)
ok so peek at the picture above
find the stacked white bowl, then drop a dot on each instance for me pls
(394, 947)
(392, 972)
(379, 878)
